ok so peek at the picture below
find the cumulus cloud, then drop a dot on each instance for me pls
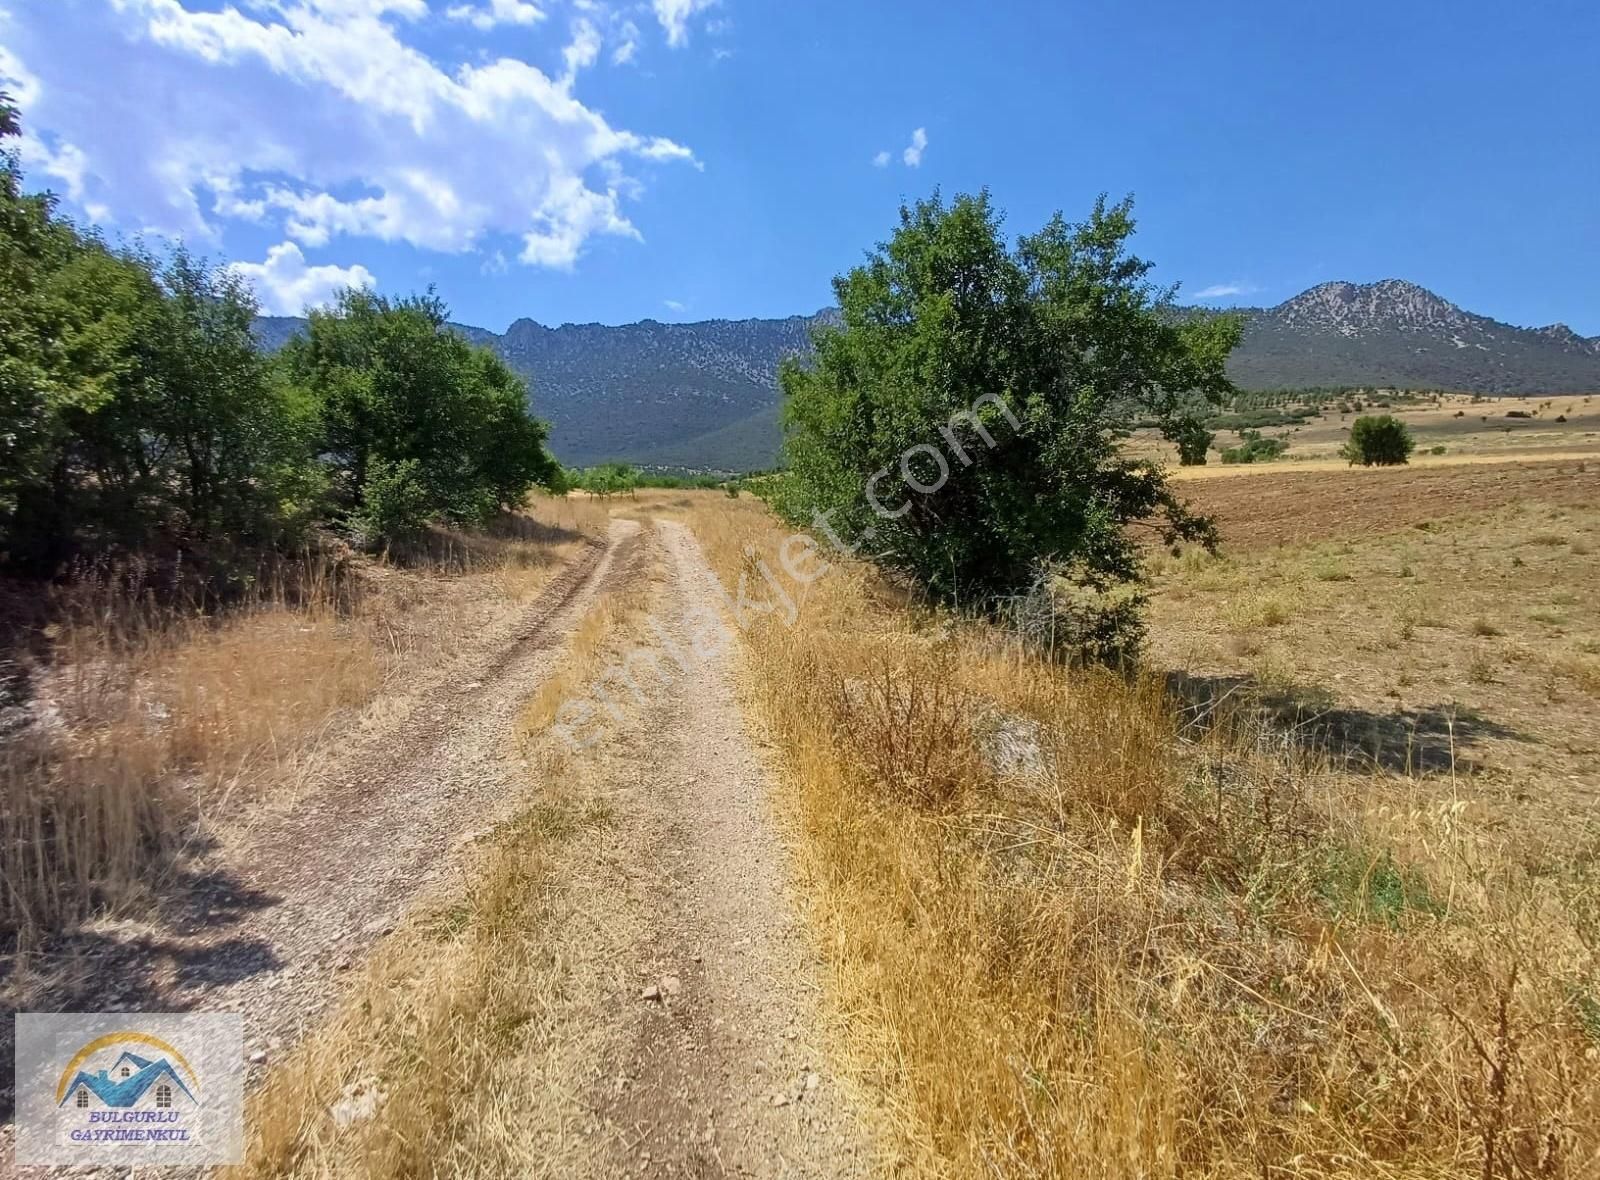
(673, 305)
(1225, 290)
(286, 285)
(497, 12)
(320, 119)
(15, 78)
(881, 160)
(919, 144)
(674, 16)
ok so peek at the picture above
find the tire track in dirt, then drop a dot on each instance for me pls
(302, 895)
(346, 863)
(719, 1066)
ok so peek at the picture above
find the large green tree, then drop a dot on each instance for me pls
(135, 409)
(949, 338)
(416, 423)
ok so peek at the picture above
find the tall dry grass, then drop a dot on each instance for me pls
(150, 713)
(466, 1037)
(1078, 934)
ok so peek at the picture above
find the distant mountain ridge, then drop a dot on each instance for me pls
(1395, 333)
(705, 394)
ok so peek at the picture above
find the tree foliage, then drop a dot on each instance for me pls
(135, 411)
(605, 479)
(416, 423)
(951, 337)
(138, 414)
(1254, 447)
(1380, 440)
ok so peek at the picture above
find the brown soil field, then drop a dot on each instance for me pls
(1276, 506)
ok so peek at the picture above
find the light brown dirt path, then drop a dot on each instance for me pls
(278, 917)
(719, 1066)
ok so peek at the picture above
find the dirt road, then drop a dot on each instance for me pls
(720, 1067)
(267, 922)
(693, 1034)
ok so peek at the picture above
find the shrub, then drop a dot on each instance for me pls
(1000, 381)
(397, 504)
(1193, 441)
(1075, 615)
(1379, 441)
(1253, 448)
(607, 480)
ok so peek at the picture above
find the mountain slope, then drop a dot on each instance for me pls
(1395, 333)
(705, 394)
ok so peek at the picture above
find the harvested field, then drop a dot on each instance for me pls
(1276, 506)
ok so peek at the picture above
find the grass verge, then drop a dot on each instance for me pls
(139, 716)
(1079, 934)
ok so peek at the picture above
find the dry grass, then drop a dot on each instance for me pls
(149, 717)
(468, 1030)
(1127, 944)
(446, 1033)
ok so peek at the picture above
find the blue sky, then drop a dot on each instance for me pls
(683, 159)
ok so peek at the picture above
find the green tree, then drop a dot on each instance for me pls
(950, 339)
(609, 479)
(416, 423)
(1193, 440)
(1379, 441)
(135, 411)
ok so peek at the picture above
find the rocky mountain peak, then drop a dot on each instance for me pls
(1353, 309)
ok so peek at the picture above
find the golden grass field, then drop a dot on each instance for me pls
(1314, 896)
(155, 713)
(1455, 429)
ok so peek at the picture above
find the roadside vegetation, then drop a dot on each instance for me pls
(138, 416)
(1084, 929)
(183, 523)
(623, 479)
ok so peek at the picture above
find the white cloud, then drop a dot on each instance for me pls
(15, 78)
(881, 160)
(624, 53)
(674, 17)
(1224, 290)
(496, 12)
(318, 118)
(674, 306)
(582, 53)
(919, 144)
(495, 264)
(287, 286)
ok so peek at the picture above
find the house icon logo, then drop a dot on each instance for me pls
(161, 1081)
(129, 1089)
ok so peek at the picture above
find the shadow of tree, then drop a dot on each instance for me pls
(183, 947)
(1431, 740)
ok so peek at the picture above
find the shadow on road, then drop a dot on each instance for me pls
(178, 945)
